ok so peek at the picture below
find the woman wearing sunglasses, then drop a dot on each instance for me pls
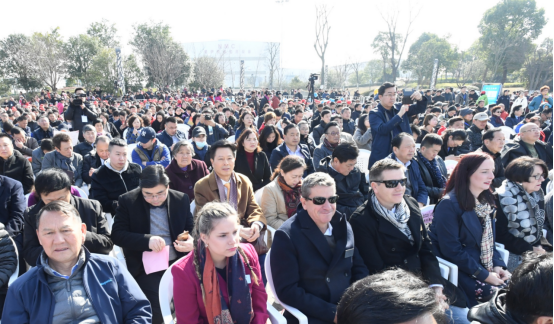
(520, 216)
(463, 229)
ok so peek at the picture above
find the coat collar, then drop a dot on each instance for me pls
(469, 218)
(212, 182)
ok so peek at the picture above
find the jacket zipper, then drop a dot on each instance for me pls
(71, 301)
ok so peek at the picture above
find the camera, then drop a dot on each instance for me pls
(79, 95)
(208, 117)
(313, 77)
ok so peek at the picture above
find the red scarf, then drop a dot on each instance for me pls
(292, 195)
(330, 146)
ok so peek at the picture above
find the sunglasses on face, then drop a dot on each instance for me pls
(321, 200)
(393, 183)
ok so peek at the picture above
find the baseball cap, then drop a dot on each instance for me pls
(146, 134)
(198, 131)
(481, 116)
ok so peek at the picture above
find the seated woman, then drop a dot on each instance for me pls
(516, 116)
(362, 135)
(251, 161)
(159, 123)
(269, 119)
(496, 120)
(463, 229)
(325, 148)
(108, 127)
(99, 127)
(184, 171)
(246, 121)
(269, 139)
(135, 124)
(282, 195)
(451, 140)
(520, 215)
(429, 123)
(204, 280)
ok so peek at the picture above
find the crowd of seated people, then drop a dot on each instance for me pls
(351, 202)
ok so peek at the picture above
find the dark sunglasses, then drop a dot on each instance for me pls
(393, 183)
(321, 200)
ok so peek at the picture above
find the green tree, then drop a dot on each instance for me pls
(537, 69)
(132, 73)
(380, 46)
(507, 31)
(373, 71)
(103, 71)
(17, 62)
(296, 83)
(105, 32)
(80, 51)
(49, 57)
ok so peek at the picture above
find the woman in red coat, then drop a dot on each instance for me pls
(221, 281)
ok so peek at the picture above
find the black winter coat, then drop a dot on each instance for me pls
(474, 137)
(19, 168)
(12, 205)
(8, 258)
(434, 192)
(83, 148)
(107, 185)
(517, 149)
(91, 160)
(262, 171)
(98, 234)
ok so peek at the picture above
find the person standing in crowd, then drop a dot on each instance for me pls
(463, 229)
(251, 161)
(53, 185)
(14, 165)
(312, 271)
(148, 219)
(208, 285)
(390, 119)
(22, 142)
(350, 182)
(292, 146)
(63, 158)
(44, 130)
(149, 150)
(538, 100)
(394, 296)
(527, 299)
(331, 141)
(184, 171)
(493, 143)
(171, 134)
(95, 159)
(85, 147)
(520, 215)
(281, 196)
(362, 135)
(462, 98)
(521, 100)
(528, 144)
(78, 113)
(71, 284)
(431, 167)
(115, 177)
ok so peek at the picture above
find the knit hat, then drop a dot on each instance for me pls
(466, 111)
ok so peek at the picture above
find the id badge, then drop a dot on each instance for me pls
(84, 119)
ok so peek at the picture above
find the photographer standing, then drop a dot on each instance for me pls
(78, 113)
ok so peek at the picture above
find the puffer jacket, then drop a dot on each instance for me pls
(8, 258)
(107, 184)
(492, 312)
(474, 137)
(435, 193)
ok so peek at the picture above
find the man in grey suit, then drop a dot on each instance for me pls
(63, 157)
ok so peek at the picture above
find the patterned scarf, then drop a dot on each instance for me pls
(233, 195)
(484, 211)
(330, 146)
(399, 218)
(515, 202)
(433, 167)
(218, 312)
(292, 195)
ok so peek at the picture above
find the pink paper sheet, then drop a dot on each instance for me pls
(155, 261)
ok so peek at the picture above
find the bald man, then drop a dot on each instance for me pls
(528, 144)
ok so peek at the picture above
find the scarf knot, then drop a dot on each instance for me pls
(292, 195)
(434, 169)
(399, 218)
(329, 145)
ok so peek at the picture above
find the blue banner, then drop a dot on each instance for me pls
(493, 92)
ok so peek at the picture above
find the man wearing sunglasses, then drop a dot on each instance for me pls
(313, 257)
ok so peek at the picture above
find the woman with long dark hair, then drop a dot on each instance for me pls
(451, 140)
(251, 160)
(516, 116)
(429, 123)
(362, 135)
(246, 120)
(270, 138)
(463, 229)
(159, 122)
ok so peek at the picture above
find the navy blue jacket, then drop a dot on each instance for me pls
(456, 237)
(218, 133)
(281, 151)
(39, 134)
(168, 140)
(419, 190)
(12, 205)
(306, 273)
(381, 128)
(513, 121)
(114, 294)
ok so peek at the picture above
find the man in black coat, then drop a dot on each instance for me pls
(430, 147)
(319, 130)
(149, 218)
(389, 230)
(12, 207)
(313, 258)
(115, 177)
(493, 143)
(95, 159)
(14, 165)
(528, 144)
(54, 184)
(78, 113)
(86, 146)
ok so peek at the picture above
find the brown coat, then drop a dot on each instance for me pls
(273, 204)
(206, 191)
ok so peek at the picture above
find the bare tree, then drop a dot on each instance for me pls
(343, 71)
(208, 72)
(280, 78)
(357, 67)
(166, 61)
(322, 28)
(49, 57)
(272, 51)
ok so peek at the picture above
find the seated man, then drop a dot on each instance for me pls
(347, 123)
(96, 158)
(493, 143)
(350, 182)
(403, 151)
(475, 133)
(149, 150)
(528, 144)
(8, 255)
(22, 123)
(115, 177)
(54, 184)
(201, 147)
(149, 218)
(389, 232)
(292, 146)
(12, 207)
(14, 165)
(85, 147)
(313, 257)
(38, 154)
(393, 297)
(431, 167)
(44, 130)
(318, 130)
(69, 284)
(63, 158)
(22, 142)
(171, 134)
(528, 298)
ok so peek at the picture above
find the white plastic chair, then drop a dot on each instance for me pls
(117, 252)
(450, 165)
(184, 128)
(258, 196)
(504, 253)
(270, 231)
(192, 207)
(110, 220)
(453, 270)
(81, 192)
(15, 274)
(130, 149)
(302, 319)
(363, 160)
(231, 139)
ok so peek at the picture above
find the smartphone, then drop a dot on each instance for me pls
(406, 93)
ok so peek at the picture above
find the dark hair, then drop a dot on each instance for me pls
(241, 119)
(495, 108)
(59, 138)
(46, 145)
(454, 120)
(329, 125)
(289, 163)
(529, 293)
(17, 130)
(345, 152)
(392, 296)
(384, 87)
(431, 139)
(325, 112)
(117, 142)
(242, 138)
(383, 165)
(50, 180)
(170, 119)
(7, 127)
(398, 139)
(361, 123)
(514, 109)
(265, 134)
(219, 145)
(455, 134)
(415, 131)
(298, 111)
(522, 168)
(289, 127)
(131, 120)
(152, 176)
(489, 134)
(460, 183)
(546, 111)
(427, 118)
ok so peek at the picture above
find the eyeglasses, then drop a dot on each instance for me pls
(393, 183)
(539, 176)
(321, 200)
(532, 130)
(150, 196)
